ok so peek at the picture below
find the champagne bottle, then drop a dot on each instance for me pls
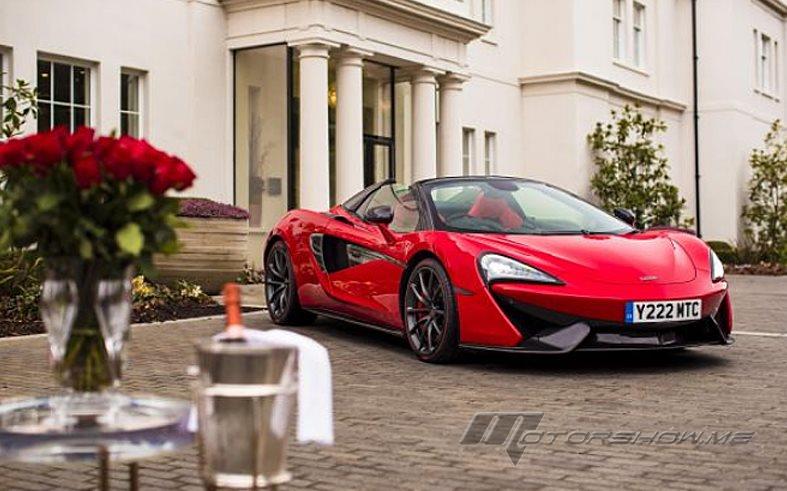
(234, 319)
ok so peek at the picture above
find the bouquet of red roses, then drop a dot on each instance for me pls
(96, 198)
(94, 208)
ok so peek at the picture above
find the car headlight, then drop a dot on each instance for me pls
(496, 267)
(716, 267)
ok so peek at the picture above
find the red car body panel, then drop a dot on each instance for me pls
(599, 274)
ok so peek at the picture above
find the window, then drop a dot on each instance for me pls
(131, 104)
(4, 80)
(775, 67)
(468, 147)
(618, 9)
(487, 12)
(402, 202)
(629, 36)
(490, 152)
(767, 63)
(516, 206)
(262, 170)
(63, 95)
(639, 34)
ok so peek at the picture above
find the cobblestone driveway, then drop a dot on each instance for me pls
(399, 422)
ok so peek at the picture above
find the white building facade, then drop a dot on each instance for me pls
(286, 103)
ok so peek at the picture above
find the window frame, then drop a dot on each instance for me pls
(5, 66)
(639, 23)
(619, 30)
(490, 152)
(767, 61)
(141, 112)
(5, 75)
(468, 151)
(91, 97)
(487, 12)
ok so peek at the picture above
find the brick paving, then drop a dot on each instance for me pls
(399, 421)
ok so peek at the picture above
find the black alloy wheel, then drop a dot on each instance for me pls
(281, 294)
(430, 317)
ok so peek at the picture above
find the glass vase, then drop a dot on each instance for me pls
(86, 308)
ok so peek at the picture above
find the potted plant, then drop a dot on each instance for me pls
(95, 209)
(214, 244)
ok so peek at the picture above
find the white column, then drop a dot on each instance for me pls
(450, 140)
(349, 123)
(314, 177)
(424, 131)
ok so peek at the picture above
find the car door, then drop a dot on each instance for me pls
(365, 263)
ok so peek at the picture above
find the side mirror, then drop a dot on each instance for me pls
(380, 215)
(625, 215)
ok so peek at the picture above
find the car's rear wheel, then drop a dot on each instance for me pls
(281, 293)
(430, 318)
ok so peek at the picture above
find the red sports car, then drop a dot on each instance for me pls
(495, 263)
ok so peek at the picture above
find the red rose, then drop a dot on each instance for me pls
(87, 172)
(4, 160)
(181, 175)
(102, 146)
(12, 153)
(79, 142)
(171, 173)
(160, 182)
(145, 158)
(46, 149)
(117, 159)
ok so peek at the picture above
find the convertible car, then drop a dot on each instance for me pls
(495, 263)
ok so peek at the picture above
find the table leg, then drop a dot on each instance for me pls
(133, 476)
(103, 469)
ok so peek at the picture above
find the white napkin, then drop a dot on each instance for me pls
(315, 391)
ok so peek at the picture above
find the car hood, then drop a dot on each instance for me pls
(651, 257)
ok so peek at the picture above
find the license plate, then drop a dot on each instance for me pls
(668, 311)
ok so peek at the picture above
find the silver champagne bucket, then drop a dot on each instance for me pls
(245, 396)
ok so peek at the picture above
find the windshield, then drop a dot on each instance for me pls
(517, 207)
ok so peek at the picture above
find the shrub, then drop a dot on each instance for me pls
(632, 171)
(147, 295)
(726, 251)
(251, 276)
(18, 101)
(744, 254)
(20, 284)
(205, 208)
(766, 212)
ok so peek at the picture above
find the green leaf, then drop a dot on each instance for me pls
(175, 222)
(130, 239)
(170, 247)
(141, 201)
(86, 249)
(47, 201)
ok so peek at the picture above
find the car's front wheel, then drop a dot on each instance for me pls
(281, 293)
(430, 317)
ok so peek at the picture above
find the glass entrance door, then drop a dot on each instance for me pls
(378, 119)
(377, 159)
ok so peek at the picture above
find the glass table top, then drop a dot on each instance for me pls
(83, 427)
